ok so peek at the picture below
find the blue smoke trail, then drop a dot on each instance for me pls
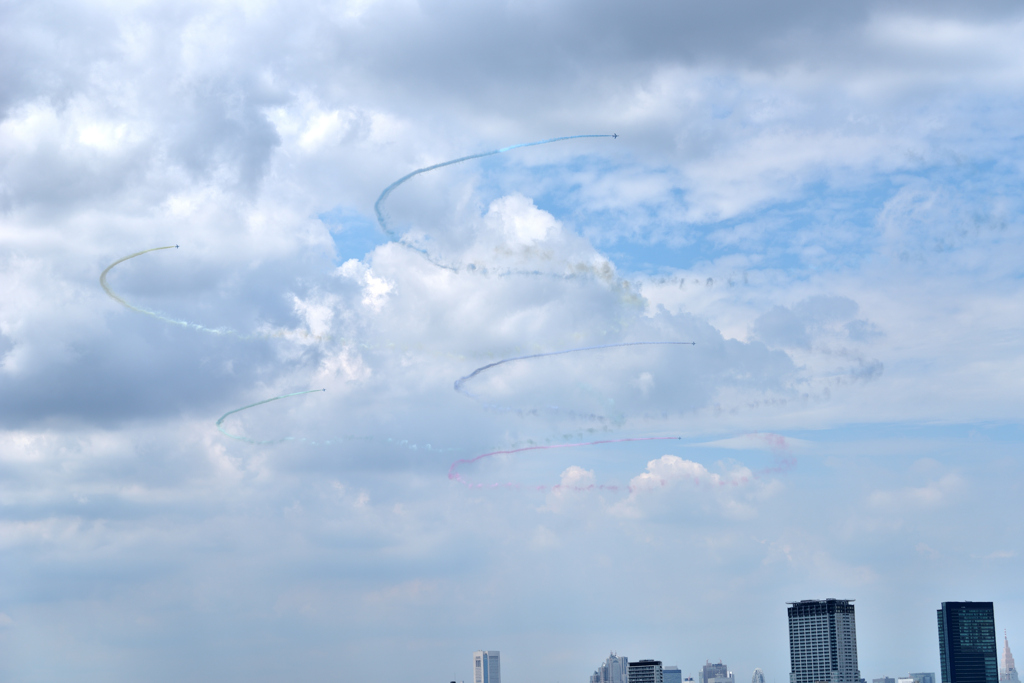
(223, 417)
(462, 380)
(379, 204)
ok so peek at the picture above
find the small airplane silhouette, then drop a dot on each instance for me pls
(614, 135)
(175, 246)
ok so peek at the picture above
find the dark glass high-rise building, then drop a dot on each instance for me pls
(967, 642)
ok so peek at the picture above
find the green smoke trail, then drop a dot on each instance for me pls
(246, 439)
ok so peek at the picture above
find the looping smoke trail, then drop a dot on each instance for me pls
(158, 316)
(379, 204)
(253, 405)
(184, 323)
(454, 475)
(462, 380)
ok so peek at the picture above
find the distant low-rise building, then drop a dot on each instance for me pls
(923, 677)
(883, 679)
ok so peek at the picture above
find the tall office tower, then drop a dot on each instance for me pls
(758, 676)
(645, 671)
(486, 666)
(883, 679)
(672, 674)
(1007, 672)
(967, 642)
(614, 670)
(823, 642)
(715, 673)
(922, 677)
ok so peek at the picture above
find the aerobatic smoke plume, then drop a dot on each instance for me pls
(220, 421)
(454, 475)
(643, 383)
(382, 220)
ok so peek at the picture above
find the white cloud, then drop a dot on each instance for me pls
(375, 289)
(931, 495)
(676, 482)
(521, 222)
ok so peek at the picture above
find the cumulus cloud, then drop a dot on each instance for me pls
(678, 483)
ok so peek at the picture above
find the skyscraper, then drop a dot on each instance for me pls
(486, 666)
(758, 676)
(922, 677)
(967, 642)
(1007, 672)
(614, 670)
(672, 674)
(645, 671)
(715, 673)
(823, 642)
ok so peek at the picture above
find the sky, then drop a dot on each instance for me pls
(822, 199)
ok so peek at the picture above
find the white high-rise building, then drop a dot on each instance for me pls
(1008, 671)
(823, 642)
(486, 666)
(645, 671)
(614, 670)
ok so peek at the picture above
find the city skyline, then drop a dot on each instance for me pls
(808, 622)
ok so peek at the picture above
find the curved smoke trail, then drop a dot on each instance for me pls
(379, 204)
(454, 475)
(158, 316)
(186, 323)
(246, 439)
(462, 380)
